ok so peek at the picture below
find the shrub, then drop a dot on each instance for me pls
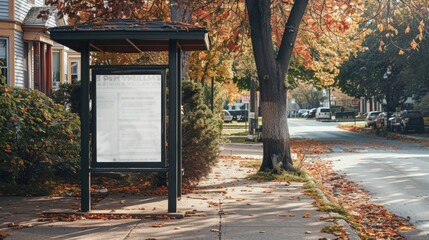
(201, 133)
(68, 95)
(39, 140)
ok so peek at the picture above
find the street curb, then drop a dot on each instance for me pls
(119, 213)
(351, 233)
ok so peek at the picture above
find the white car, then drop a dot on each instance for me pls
(323, 113)
(227, 117)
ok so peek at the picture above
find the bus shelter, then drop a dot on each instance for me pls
(131, 115)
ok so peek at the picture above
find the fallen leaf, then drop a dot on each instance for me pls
(4, 234)
(157, 225)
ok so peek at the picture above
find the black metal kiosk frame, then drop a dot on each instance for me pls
(132, 36)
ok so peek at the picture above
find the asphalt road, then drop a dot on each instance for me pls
(395, 173)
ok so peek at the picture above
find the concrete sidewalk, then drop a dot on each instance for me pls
(226, 205)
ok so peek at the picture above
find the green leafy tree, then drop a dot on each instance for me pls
(307, 96)
(202, 132)
(384, 73)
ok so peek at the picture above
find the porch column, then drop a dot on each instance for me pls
(48, 68)
(37, 62)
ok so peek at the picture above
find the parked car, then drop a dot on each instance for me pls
(382, 120)
(239, 115)
(301, 112)
(408, 120)
(292, 114)
(311, 113)
(227, 117)
(391, 120)
(370, 118)
(323, 113)
(304, 115)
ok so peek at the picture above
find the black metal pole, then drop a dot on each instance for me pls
(173, 109)
(85, 205)
(179, 124)
(212, 95)
(252, 121)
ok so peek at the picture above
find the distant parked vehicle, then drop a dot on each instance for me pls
(305, 114)
(370, 118)
(407, 120)
(292, 114)
(382, 120)
(311, 113)
(323, 113)
(301, 112)
(227, 117)
(391, 120)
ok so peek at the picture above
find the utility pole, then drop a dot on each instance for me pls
(253, 109)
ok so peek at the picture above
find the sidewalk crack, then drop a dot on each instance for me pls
(131, 229)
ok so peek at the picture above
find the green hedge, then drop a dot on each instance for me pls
(39, 140)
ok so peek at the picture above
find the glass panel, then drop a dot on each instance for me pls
(65, 67)
(74, 71)
(74, 68)
(3, 52)
(415, 114)
(56, 66)
(55, 70)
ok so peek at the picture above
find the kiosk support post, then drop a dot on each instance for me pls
(173, 128)
(85, 205)
(179, 124)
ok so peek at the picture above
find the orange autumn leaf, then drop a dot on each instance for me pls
(4, 234)
(157, 225)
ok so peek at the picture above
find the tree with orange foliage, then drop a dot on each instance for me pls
(327, 23)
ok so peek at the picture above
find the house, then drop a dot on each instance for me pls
(28, 57)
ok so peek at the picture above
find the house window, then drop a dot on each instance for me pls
(56, 70)
(3, 61)
(75, 71)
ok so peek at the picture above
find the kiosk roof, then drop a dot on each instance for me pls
(131, 36)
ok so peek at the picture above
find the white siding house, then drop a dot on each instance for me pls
(4, 9)
(28, 57)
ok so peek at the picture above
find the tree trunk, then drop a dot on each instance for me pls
(181, 11)
(276, 141)
(271, 75)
